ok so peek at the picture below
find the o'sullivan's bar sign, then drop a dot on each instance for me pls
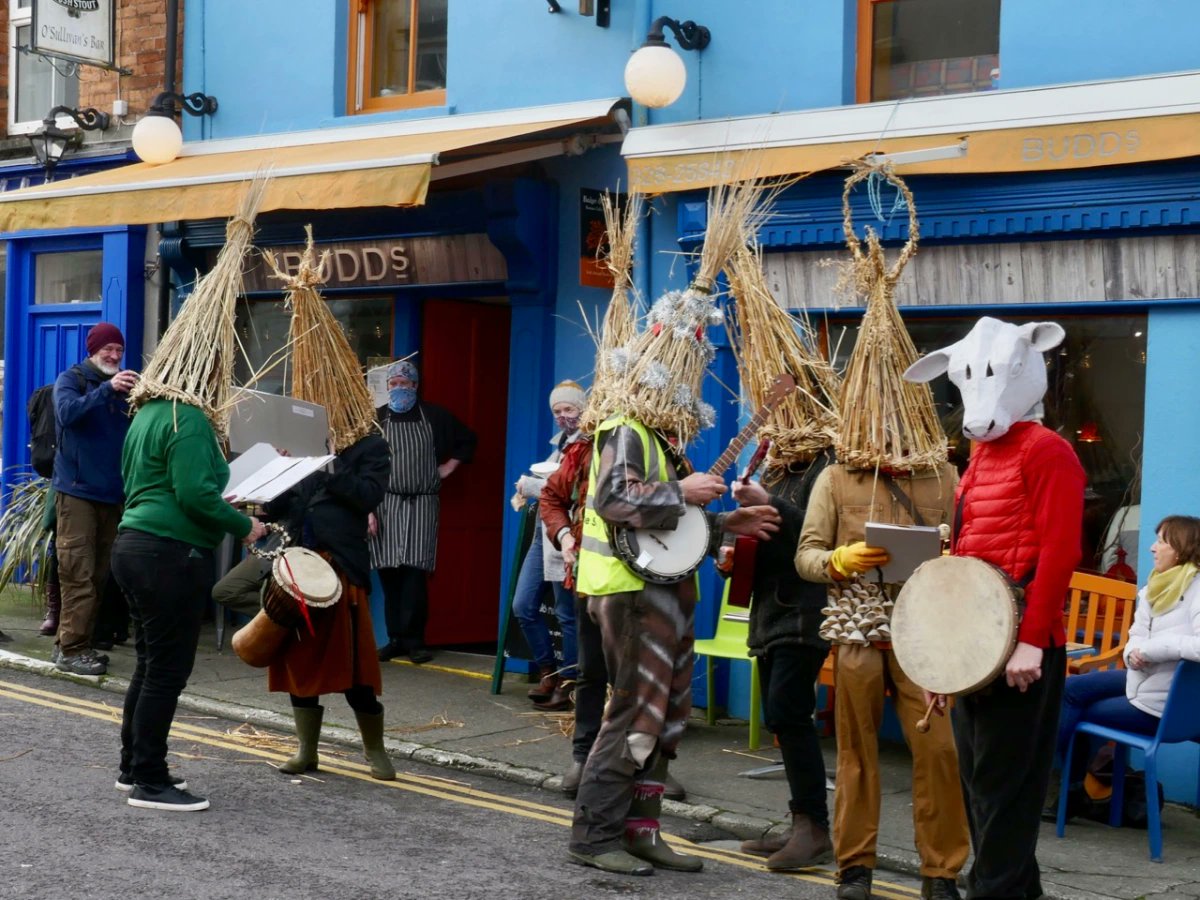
(79, 30)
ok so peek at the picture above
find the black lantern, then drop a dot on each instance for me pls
(51, 143)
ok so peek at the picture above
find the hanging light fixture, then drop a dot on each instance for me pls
(156, 138)
(655, 75)
(51, 143)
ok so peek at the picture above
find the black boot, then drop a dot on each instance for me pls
(939, 889)
(642, 836)
(854, 883)
(308, 732)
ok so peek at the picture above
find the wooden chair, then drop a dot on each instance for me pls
(1099, 613)
(733, 627)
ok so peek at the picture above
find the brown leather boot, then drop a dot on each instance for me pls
(545, 687)
(807, 845)
(559, 699)
(767, 844)
(49, 626)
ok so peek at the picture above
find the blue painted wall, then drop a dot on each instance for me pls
(1052, 41)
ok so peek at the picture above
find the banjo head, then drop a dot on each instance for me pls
(954, 624)
(666, 556)
(315, 579)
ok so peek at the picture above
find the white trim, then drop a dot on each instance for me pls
(416, 159)
(959, 114)
(528, 115)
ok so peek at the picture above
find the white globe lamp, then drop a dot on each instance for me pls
(157, 139)
(655, 76)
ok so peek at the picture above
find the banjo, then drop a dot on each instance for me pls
(669, 555)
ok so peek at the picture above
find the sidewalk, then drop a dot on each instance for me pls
(442, 713)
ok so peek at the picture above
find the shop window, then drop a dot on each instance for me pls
(75, 276)
(921, 48)
(36, 84)
(262, 327)
(397, 57)
(1095, 399)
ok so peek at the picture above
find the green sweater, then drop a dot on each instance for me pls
(174, 475)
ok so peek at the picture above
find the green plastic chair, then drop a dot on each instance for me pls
(733, 627)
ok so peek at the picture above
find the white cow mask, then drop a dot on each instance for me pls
(999, 369)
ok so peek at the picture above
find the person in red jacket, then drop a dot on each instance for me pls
(1019, 507)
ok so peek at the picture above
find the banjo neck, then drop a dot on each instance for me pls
(784, 384)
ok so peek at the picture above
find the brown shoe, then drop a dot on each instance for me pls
(767, 844)
(559, 699)
(545, 687)
(808, 845)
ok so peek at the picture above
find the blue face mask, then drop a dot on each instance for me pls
(402, 399)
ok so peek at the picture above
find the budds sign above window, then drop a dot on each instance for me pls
(76, 29)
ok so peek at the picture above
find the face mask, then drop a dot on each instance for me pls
(402, 399)
(567, 423)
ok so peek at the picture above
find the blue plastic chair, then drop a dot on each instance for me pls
(1179, 723)
(733, 628)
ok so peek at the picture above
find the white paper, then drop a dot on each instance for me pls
(260, 474)
(377, 384)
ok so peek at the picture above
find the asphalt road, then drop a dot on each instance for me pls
(66, 833)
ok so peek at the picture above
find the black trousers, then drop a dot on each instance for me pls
(112, 619)
(405, 605)
(788, 676)
(591, 688)
(168, 584)
(1005, 742)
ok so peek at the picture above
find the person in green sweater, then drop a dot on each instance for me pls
(175, 515)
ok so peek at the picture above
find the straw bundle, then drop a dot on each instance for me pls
(886, 421)
(620, 320)
(325, 369)
(665, 365)
(194, 361)
(766, 342)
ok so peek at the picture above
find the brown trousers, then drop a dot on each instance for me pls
(84, 539)
(939, 816)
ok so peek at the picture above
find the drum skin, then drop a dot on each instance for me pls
(954, 624)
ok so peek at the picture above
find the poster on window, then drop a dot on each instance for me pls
(81, 30)
(593, 239)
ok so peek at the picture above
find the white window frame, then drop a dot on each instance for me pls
(21, 18)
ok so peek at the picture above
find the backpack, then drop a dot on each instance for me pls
(43, 432)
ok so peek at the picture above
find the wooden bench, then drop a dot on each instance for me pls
(1099, 612)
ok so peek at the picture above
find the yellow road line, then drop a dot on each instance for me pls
(430, 787)
(432, 667)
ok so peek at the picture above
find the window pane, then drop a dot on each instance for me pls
(74, 277)
(39, 87)
(927, 47)
(391, 42)
(263, 327)
(431, 45)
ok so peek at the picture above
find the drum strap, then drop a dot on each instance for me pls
(902, 498)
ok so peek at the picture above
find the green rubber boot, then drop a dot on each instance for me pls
(642, 836)
(617, 862)
(371, 728)
(308, 732)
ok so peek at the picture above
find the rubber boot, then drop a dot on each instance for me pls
(370, 726)
(807, 845)
(308, 733)
(616, 861)
(642, 837)
(49, 626)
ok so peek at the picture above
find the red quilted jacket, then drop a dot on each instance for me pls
(1020, 507)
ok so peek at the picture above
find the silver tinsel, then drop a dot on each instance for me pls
(705, 414)
(683, 396)
(620, 359)
(655, 376)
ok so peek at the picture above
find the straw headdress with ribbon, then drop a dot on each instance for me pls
(659, 374)
(619, 326)
(767, 341)
(885, 421)
(194, 361)
(325, 369)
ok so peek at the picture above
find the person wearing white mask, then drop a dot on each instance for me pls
(428, 443)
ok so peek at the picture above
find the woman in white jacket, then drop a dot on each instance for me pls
(1166, 629)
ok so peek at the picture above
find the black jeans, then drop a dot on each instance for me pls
(405, 605)
(168, 584)
(591, 687)
(788, 676)
(1005, 742)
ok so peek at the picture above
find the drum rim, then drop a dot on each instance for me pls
(289, 588)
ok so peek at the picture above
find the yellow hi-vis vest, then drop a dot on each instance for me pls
(600, 571)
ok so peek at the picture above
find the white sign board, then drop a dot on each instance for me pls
(77, 29)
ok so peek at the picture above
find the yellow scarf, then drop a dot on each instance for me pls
(1165, 588)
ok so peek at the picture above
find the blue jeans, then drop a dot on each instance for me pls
(1099, 697)
(527, 609)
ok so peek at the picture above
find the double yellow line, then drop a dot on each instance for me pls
(416, 784)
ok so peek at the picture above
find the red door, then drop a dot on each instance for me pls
(464, 367)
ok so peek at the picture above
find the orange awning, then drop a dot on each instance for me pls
(381, 165)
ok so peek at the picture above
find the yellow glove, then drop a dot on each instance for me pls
(856, 558)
